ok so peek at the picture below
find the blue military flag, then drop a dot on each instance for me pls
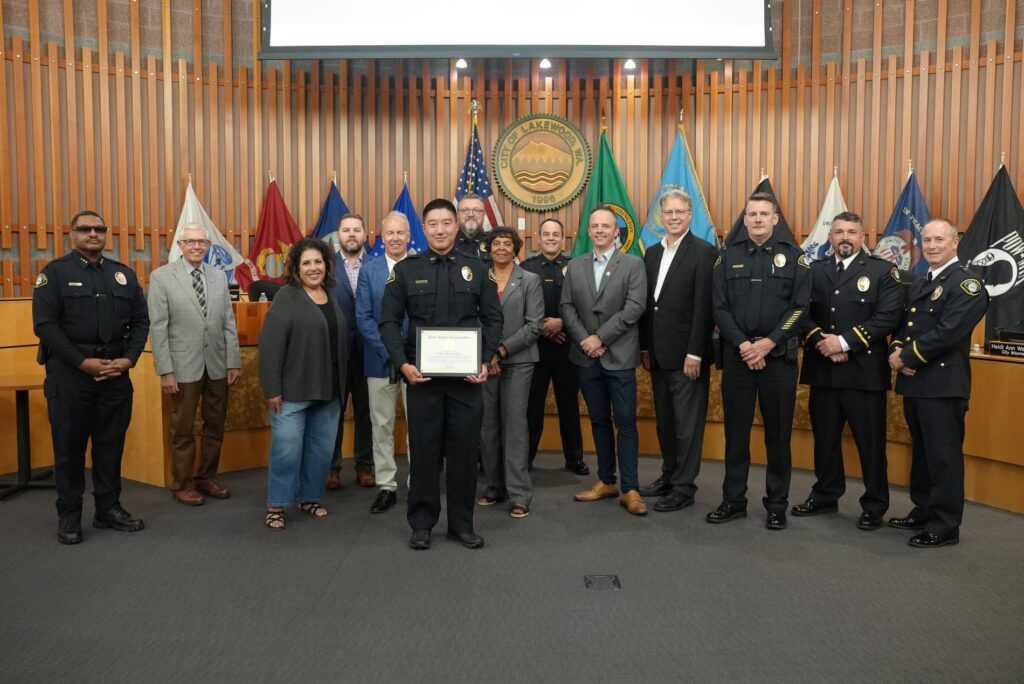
(680, 174)
(417, 238)
(901, 241)
(330, 215)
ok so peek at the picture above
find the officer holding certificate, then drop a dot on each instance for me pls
(441, 288)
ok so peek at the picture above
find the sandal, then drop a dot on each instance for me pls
(489, 499)
(313, 508)
(520, 511)
(274, 520)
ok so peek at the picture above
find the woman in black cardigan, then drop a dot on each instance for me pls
(302, 370)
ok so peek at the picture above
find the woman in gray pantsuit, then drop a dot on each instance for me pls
(504, 439)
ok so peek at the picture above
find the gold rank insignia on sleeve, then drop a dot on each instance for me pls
(971, 286)
(41, 281)
(804, 261)
(895, 272)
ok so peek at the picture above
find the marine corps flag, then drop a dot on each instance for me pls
(606, 187)
(739, 231)
(994, 247)
(275, 234)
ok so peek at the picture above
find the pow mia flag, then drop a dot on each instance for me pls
(994, 247)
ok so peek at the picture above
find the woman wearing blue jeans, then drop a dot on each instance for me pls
(302, 370)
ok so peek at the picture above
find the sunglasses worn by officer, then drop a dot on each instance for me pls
(85, 230)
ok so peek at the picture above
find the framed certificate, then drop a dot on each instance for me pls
(448, 352)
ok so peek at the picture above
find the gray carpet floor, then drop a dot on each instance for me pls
(207, 594)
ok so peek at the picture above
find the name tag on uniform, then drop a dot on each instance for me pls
(422, 282)
(738, 265)
(74, 284)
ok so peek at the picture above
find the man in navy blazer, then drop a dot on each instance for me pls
(347, 265)
(376, 360)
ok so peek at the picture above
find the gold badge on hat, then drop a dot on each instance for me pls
(119, 277)
(937, 293)
(780, 260)
(467, 273)
(863, 283)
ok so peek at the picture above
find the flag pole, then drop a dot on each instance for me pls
(1002, 159)
(334, 177)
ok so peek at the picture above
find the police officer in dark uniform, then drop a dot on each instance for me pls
(90, 316)
(931, 353)
(856, 303)
(441, 288)
(760, 289)
(553, 344)
(470, 238)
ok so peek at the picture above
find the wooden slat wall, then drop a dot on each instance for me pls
(138, 127)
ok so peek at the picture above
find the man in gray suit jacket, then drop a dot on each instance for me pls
(603, 298)
(195, 351)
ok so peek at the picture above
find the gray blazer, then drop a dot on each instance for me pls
(611, 312)
(522, 305)
(184, 342)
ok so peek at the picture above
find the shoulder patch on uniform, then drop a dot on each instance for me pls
(718, 261)
(804, 261)
(41, 281)
(895, 273)
(972, 286)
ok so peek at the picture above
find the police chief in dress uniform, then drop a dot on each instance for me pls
(554, 367)
(441, 288)
(931, 353)
(469, 239)
(90, 316)
(856, 303)
(760, 289)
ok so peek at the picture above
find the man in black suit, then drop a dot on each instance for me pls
(856, 303)
(675, 341)
(347, 264)
(554, 367)
(931, 353)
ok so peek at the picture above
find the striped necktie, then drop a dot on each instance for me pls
(197, 285)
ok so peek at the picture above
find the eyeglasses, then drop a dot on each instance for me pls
(677, 212)
(194, 243)
(85, 230)
(471, 211)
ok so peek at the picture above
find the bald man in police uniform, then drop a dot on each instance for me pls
(90, 316)
(856, 303)
(931, 354)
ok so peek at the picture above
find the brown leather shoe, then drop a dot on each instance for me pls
(599, 491)
(334, 480)
(366, 479)
(212, 488)
(632, 502)
(189, 497)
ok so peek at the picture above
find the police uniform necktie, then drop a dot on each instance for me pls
(840, 268)
(929, 276)
(759, 271)
(443, 287)
(104, 304)
(197, 285)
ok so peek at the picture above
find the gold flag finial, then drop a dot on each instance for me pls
(835, 171)
(681, 112)
(189, 176)
(910, 166)
(604, 120)
(270, 176)
(405, 177)
(334, 177)
(763, 174)
(1002, 158)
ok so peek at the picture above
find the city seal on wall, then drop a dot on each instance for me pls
(541, 161)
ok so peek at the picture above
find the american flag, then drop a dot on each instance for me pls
(473, 178)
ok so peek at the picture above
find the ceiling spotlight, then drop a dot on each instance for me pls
(629, 64)
(545, 63)
(461, 64)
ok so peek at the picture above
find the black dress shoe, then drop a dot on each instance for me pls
(659, 487)
(813, 507)
(725, 513)
(673, 501)
(578, 467)
(470, 540)
(69, 529)
(776, 520)
(420, 540)
(116, 518)
(930, 540)
(869, 521)
(907, 523)
(386, 498)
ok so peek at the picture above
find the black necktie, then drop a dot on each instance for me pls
(840, 267)
(929, 276)
(443, 287)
